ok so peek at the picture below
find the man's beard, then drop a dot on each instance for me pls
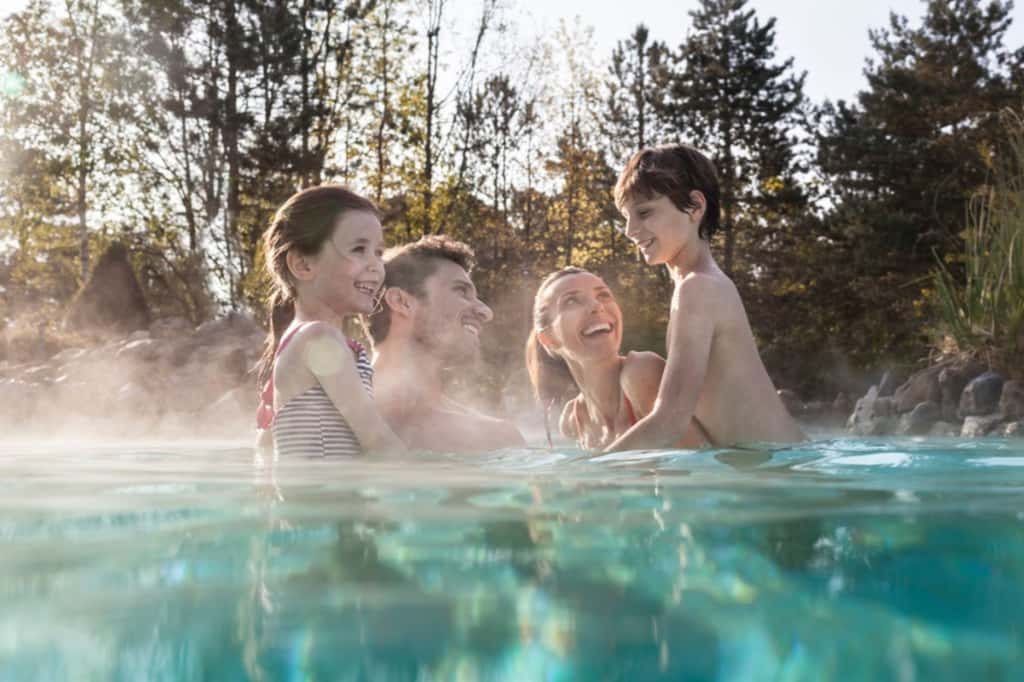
(430, 338)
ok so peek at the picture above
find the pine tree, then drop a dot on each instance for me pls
(635, 80)
(905, 159)
(730, 98)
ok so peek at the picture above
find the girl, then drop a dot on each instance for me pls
(572, 356)
(324, 254)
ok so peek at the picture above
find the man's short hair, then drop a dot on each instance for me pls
(407, 267)
(673, 171)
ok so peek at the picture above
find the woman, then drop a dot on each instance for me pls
(572, 356)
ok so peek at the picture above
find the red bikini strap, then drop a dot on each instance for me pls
(629, 409)
(265, 410)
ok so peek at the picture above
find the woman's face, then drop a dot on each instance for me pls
(584, 320)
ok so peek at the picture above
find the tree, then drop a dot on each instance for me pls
(730, 98)
(636, 78)
(904, 161)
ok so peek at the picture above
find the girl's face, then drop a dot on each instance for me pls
(584, 320)
(349, 269)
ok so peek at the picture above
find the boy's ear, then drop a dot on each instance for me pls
(398, 300)
(299, 264)
(697, 198)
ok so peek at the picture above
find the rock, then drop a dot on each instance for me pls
(792, 402)
(975, 427)
(170, 327)
(885, 407)
(138, 336)
(67, 355)
(872, 415)
(817, 410)
(889, 382)
(232, 324)
(1011, 401)
(1014, 429)
(842, 405)
(921, 387)
(981, 397)
(952, 381)
(944, 430)
(143, 350)
(920, 420)
(133, 394)
(111, 299)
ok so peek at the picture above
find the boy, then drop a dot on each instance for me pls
(669, 196)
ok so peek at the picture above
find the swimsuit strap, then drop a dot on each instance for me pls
(265, 411)
(629, 409)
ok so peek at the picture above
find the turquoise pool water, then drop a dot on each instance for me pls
(838, 560)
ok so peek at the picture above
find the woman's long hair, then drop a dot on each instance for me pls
(552, 381)
(306, 221)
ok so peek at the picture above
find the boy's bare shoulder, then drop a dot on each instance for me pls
(712, 294)
(641, 368)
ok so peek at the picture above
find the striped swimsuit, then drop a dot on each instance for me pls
(309, 425)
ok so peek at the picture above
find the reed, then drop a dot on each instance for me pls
(983, 310)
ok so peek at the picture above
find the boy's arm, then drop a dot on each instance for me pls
(691, 330)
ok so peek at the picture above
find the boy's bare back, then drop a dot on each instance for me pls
(737, 402)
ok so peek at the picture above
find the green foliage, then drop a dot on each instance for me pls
(984, 310)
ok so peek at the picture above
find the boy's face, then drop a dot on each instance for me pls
(659, 229)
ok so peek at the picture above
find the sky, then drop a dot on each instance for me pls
(826, 38)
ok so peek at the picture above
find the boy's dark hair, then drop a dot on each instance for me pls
(408, 267)
(674, 171)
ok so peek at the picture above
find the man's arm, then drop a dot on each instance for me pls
(690, 334)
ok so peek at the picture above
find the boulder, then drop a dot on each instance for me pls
(872, 415)
(952, 380)
(981, 396)
(233, 324)
(1014, 429)
(842, 405)
(921, 419)
(975, 427)
(142, 350)
(170, 327)
(944, 430)
(889, 382)
(792, 402)
(1011, 401)
(921, 387)
(111, 300)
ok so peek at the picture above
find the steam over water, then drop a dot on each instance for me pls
(836, 560)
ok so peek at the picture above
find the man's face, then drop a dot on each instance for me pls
(449, 317)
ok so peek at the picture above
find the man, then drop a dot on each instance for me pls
(430, 320)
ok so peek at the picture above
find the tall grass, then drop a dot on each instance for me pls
(984, 311)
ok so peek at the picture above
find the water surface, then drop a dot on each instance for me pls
(836, 560)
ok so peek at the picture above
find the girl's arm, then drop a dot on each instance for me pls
(326, 354)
